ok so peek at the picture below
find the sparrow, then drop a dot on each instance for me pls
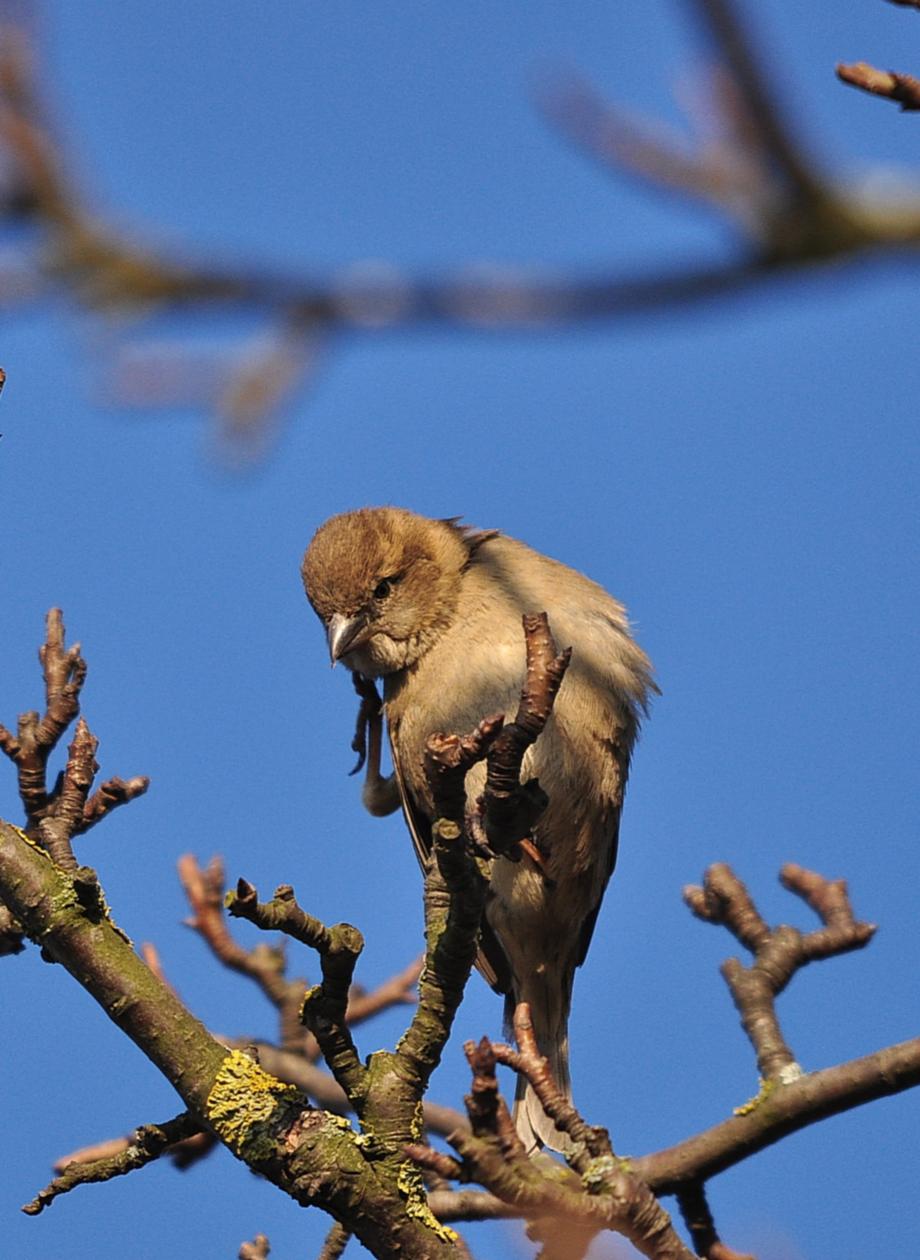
(434, 608)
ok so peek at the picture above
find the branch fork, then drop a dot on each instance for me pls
(778, 953)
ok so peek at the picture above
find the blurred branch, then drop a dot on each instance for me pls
(258, 1249)
(903, 88)
(790, 215)
(336, 1241)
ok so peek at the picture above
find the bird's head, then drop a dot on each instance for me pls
(385, 584)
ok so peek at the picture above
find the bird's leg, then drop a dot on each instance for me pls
(379, 795)
(528, 845)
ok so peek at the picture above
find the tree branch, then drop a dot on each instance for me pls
(324, 1007)
(778, 953)
(902, 88)
(148, 1143)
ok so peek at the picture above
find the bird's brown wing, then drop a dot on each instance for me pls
(587, 928)
(491, 962)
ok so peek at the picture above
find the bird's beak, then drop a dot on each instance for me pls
(341, 635)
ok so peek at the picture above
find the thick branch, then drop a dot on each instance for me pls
(780, 1111)
(73, 929)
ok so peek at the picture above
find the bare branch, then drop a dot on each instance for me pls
(149, 1143)
(802, 1102)
(764, 124)
(400, 989)
(324, 1006)
(694, 1208)
(510, 808)
(902, 88)
(588, 1141)
(778, 952)
(64, 673)
(606, 1196)
(258, 1249)
(645, 149)
(336, 1241)
(109, 796)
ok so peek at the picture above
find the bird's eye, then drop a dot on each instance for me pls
(384, 586)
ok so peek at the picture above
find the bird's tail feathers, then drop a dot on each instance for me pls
(549, 1012)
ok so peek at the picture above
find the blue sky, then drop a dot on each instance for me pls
(741, 474)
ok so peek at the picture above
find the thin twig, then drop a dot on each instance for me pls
(589, 1142)
(258, 1249)
(149, 1143)
(902, 88)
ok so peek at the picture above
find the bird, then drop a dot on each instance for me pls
(433, 608)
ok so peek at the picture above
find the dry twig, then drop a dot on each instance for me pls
(258, 1249)
(115, 1160)
(778, 952)
(902, 88)
(54, 816)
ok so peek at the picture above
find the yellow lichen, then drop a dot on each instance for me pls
(247, 1104)
(412, 1187)
(311, 995)
(766, 1089)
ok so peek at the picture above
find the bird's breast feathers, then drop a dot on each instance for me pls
(477, 666)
